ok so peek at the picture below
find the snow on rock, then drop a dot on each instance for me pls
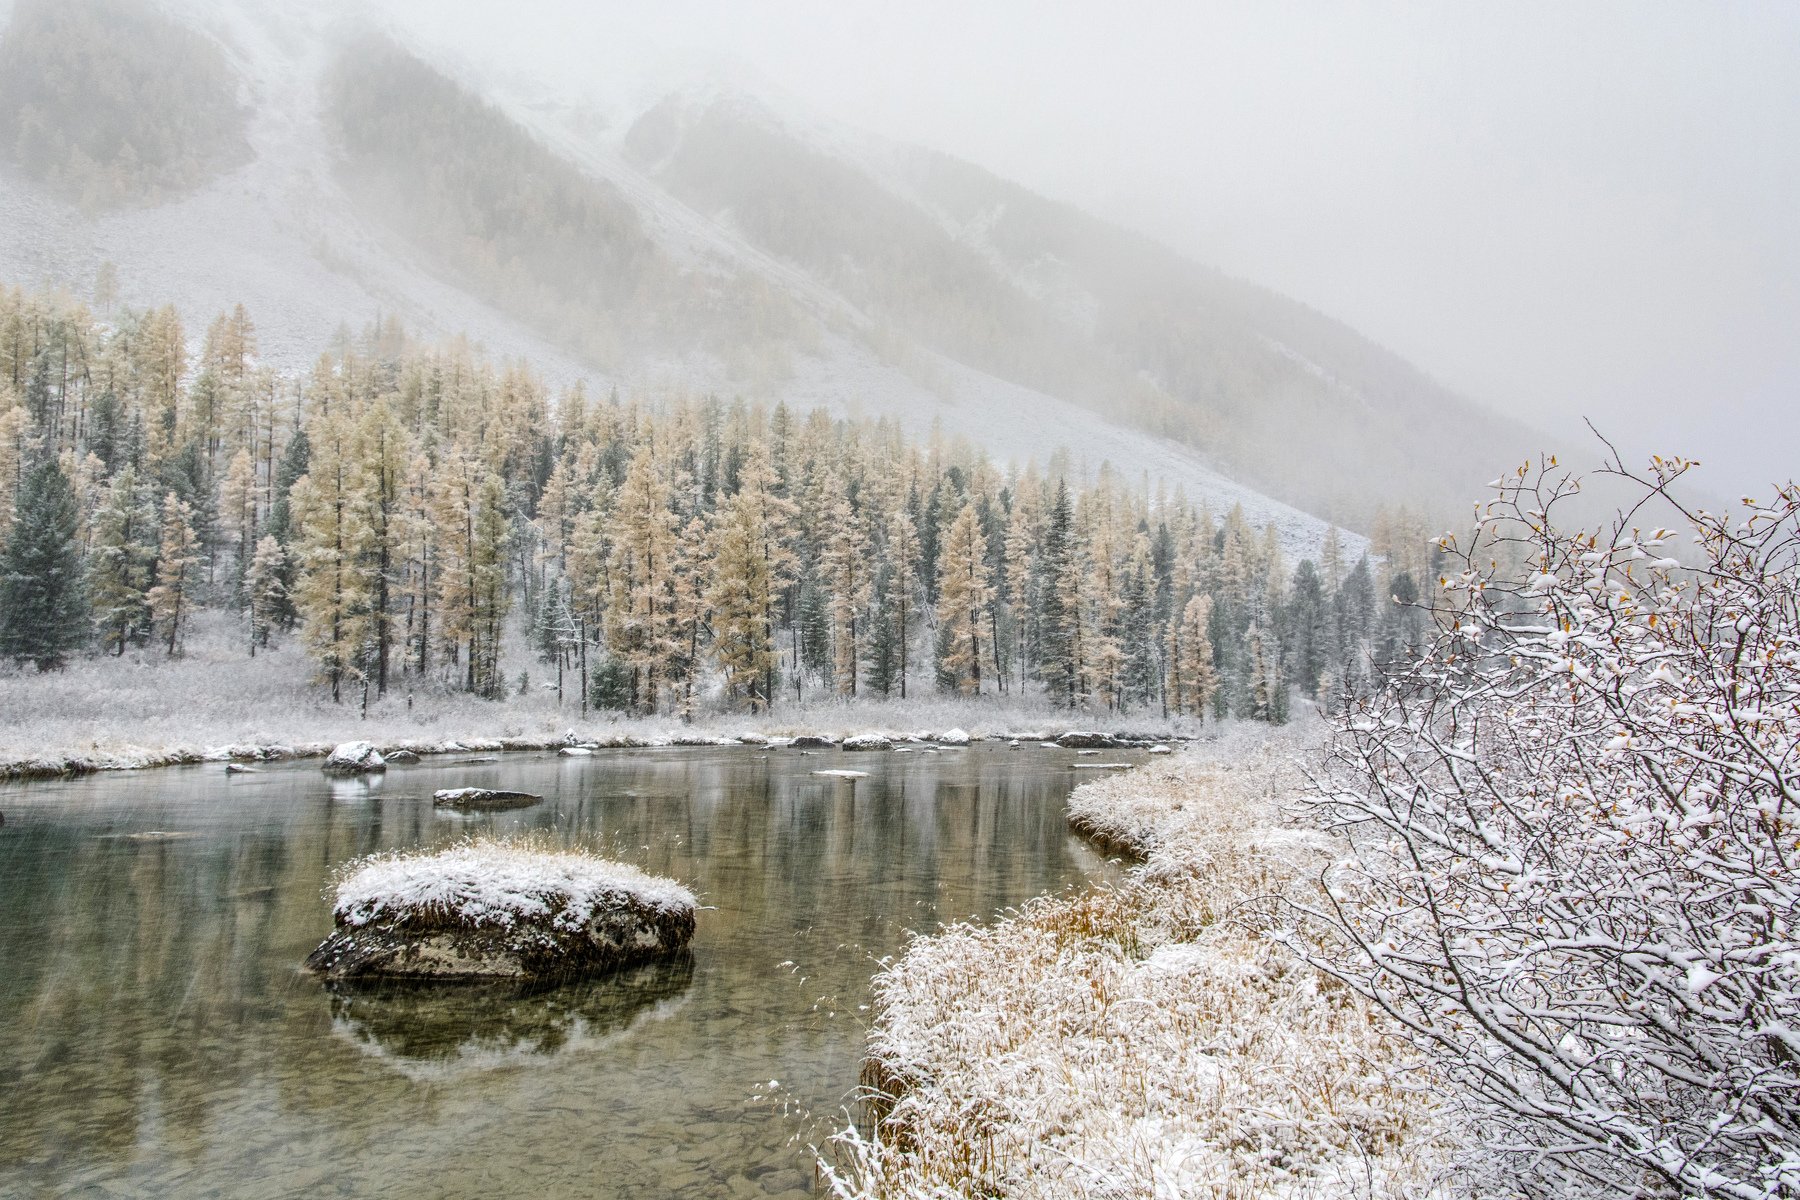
(354, 758)
(843, 774)
(475, 799)
(812, 741)
(868, 741)
(499, 910)
(1083, 740)
(953, 737)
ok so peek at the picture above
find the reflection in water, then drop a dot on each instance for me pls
(158, 1038)
(441, 1030)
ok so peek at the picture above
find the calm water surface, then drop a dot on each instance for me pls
(158, 1039)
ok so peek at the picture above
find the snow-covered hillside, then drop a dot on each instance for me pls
(283, 236)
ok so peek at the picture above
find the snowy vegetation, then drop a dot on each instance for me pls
(1574, 822)
(1147, 1039)
(400, 508)
(1526, 925)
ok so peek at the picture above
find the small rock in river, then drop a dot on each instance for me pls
(474, 799)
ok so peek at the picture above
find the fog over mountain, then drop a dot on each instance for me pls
(1046, 231)
(1554, 209)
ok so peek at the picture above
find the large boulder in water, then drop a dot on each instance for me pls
(812, 741)
(496, 911)
(354, 758)
(868, 741)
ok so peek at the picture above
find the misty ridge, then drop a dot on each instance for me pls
(711, 244)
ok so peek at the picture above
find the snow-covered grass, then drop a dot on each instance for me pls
(497, 883)
(1146, 1039)
(214, 701)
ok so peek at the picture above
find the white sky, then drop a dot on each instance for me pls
(1565, 210)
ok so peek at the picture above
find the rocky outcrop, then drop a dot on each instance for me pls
(497, 912)
(354, 758)
(474, 799)
(1078, 740)
(868, 741)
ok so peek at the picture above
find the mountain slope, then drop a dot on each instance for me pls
(704, 243)
(987, 272)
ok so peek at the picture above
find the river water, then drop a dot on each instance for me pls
(157, 1037)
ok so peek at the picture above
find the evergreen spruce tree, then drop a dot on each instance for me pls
(43, 603)
(1059, 617)
(1306, 631)
(122, 562)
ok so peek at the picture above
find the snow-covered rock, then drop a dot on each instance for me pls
(953, 737)
(354, 758)
(404, 758)
(498, 911)
(812, 741)
(1077, 739)
(1159, 748)
(840, 774)
(575, 752)
(474, 799)
(868, 741)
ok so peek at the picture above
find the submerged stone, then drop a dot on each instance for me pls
(405, 758)
(474, 799)
(1080, 740)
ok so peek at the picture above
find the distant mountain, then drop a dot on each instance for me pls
(706, 242)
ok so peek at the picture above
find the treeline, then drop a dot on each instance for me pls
(403, 509)
(111, 101)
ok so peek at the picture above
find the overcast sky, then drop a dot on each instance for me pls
(1565, 210)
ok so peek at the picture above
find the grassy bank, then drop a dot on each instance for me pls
(1146, 1039)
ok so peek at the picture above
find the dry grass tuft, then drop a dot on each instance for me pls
(1143, 1040)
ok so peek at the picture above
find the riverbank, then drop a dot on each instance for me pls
(214, 704)
(1146, 1039)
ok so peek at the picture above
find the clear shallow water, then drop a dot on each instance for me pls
(158, 1038)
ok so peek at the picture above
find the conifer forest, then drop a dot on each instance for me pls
(402, 508)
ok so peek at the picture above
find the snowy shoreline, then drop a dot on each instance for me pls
(214, 704)
(1145, 1037)
(68, 765)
